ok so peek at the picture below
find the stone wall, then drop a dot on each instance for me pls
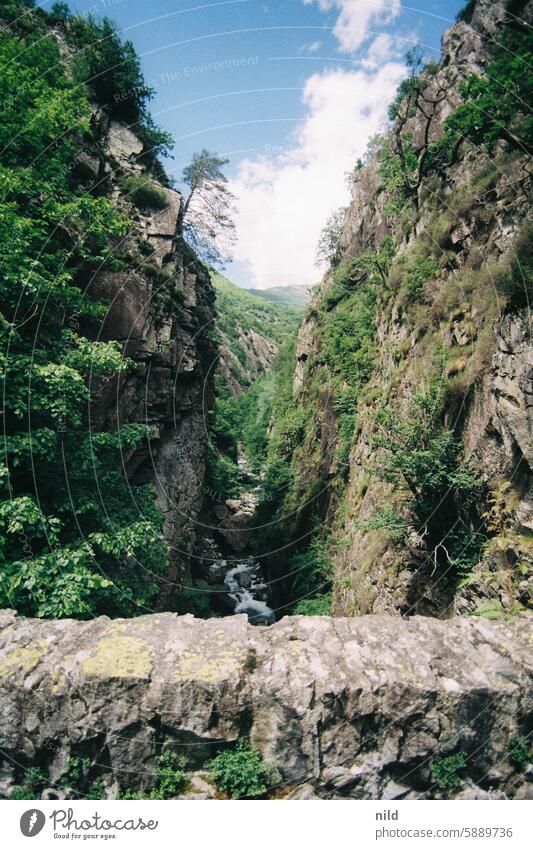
(352, 708)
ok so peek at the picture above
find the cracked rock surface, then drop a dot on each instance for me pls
(352, 708)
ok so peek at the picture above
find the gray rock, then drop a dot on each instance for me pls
(122, 143)
(304, 689)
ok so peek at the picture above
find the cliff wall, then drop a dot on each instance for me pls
(467, 221)
(162, 311)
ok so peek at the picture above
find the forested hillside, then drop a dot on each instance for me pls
(251, 330)
(256, 340)
(294, 296)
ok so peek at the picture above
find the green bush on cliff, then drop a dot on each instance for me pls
(420, 457)
(34, 780)
(171, 780)
(143, 193)
(446, 770)
(520, 752)
(242, 773)
(495, 107)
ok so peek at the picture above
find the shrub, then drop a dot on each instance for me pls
(34, 781)
(420, 457)
(320, 605)
(520, 752)
(79, 779)
(171, 776)
(143, 193)
(446, 770)
(387, 519)
(241, 772)
(421, 270)
(329, 242)
(171, 780)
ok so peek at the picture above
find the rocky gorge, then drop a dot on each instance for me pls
(400, 665)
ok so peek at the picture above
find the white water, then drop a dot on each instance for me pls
(248, 590)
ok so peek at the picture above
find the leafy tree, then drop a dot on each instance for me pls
(496, 106)
(402, 164)
(206, 219)
(111, 68)
(329, 242)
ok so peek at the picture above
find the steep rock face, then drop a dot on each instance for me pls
(161, 309)
(344, 707)
(473, 218)
(259, 353)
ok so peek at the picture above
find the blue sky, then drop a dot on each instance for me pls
(289, 91)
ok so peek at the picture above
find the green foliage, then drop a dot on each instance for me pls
(75, 538)
(313, 574)
(419, 271)
(399, 173)
(348, 335)
(171, 776)
(171, 780)
(239, 312)
(330, 238)
(520, 752)
(113, 71)
(34, 781)
(446, 770)
(79, 780)
(319, 605)
(143, 193)
(207, 217)
(23, 791)
(389, 520)
(418, 455)
(243, 419)
(495, 106)
(241, 772)
(372, 266)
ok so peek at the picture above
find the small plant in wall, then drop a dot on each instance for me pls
(520, 752)
(446, 770)
(242, 773)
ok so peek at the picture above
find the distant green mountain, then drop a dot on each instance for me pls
(252, 329)
(296, 296)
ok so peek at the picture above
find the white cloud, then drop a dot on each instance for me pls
(284, 201)
(356, 17)
(311, 47)
(379, 51)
